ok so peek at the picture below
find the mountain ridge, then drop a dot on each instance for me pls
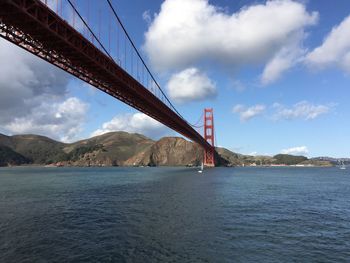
(127, 149)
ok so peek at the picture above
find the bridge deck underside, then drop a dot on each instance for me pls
(31, 25)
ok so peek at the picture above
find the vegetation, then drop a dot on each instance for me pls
(318, 163)
(289, 159)
(10, 157)
(122, 148)
(39, 149)
(108, 149)
(82, 150)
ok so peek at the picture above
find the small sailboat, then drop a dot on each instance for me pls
(342, 167)
(202, 168)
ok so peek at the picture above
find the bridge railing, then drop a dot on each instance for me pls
(96, 21)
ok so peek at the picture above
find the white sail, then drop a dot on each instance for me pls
(343, 167)
(202, 168)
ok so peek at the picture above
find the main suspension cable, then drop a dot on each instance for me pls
(196, 123)
(136, 50)
(87, 26)
(140, 57)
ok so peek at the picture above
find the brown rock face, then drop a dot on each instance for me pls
(120, 149)
(168, 151)
(140, 159)
(175, 151)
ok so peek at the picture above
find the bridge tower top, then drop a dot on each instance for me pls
(209, 154)
(68, 36)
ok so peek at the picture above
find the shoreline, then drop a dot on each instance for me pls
(182, 166)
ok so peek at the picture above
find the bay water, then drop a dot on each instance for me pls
(174, 214)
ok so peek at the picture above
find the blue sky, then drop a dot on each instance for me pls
(276, 73)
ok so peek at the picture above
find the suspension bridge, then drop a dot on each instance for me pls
(87, 39)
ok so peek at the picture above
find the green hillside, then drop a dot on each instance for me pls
(289, 159)
(126, 149)
(10, 157)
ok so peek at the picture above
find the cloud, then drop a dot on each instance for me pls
(300, 150)
(134, 123)
(58, 120)
(282, 61)
(26, 81)
(335, 49)
(238, 85)
(238, 108)
(191, 85)
(301, 110)
(187, 32)
(34, 97)
(246, 114)
(147, 17)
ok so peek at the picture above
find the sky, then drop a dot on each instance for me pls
(275, 72)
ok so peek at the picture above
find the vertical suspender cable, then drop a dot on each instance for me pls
(125, 52)
(133, 45)
(118, 46)
(99, 21)
(140, 57)
(137, 70)
(73, 15)
(109, 31)
(94, 35)
(131, 61)
(88, 18)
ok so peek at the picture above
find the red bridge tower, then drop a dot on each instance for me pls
(209, 158)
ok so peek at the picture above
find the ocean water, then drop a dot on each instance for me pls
(174, 215)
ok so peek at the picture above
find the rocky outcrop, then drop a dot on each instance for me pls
(175, 151)
(124, 149)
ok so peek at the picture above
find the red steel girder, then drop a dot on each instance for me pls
(34, 27)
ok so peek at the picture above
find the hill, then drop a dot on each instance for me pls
(289, 159)
(110, 149)
(126, 149)
(37, 149)
(8, 157)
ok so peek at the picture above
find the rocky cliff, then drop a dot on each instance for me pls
(122, 149)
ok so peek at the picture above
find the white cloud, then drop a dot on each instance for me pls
(300, 150)
(147, 17)
(191, 85)
(58, 120)
(238, 108)
(134, 123)
(246, 114)
(34, 97)
(26, 81)
(301, 110)
(282, 61)
(237, 85)
(187, 32)
(335, 49)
